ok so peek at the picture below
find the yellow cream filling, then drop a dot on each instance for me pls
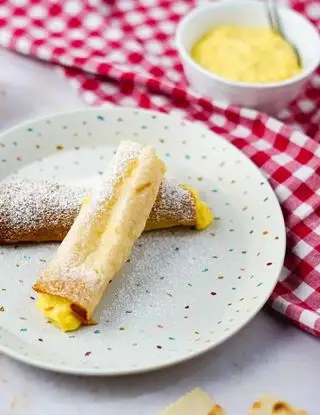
(58, 311)
(246, 54)
(204, 216)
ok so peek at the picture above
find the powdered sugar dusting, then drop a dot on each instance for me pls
(38, 210)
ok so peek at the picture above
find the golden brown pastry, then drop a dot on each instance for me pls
(101, 238)
(37, 211)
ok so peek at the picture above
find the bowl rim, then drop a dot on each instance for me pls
(183, 25)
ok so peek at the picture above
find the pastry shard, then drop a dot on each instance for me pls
(269, 405)
(196, 402)
(38, 211)
(101, 238)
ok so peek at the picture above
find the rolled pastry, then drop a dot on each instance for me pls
(101, 237)
(37, 211)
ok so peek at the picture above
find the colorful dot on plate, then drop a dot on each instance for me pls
(187, 157)
(189, 284)
(121, 328)
(186, 307)
(119, 119)
(215, 190)
(4, 160)
(32, 298)
(40, 340)
(241, 299)
(23, 318)
(196, 333)
(215, 257)
(171, 338)
(205, 270)
(100, 117)
(213, 293)
(231, 249)
(167, 154)
(268, 264)
(97, 331)
(260, 283)
(159, 347)
(169, 294)
(243, 252)
(72, 337)
(159, 326)
(244, 208)
(19, 158)
(200, 178)
(87, 353)
(23, 329)
(134, 344)
(220, 277)
(276, 238)
(2, 309)
(265, 233)
(162, 140)
(30, 129)
(59, 147)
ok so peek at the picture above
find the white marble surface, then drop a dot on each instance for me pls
(269, 355)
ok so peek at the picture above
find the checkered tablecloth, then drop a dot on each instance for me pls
(122, 51)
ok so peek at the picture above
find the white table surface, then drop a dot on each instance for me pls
(269, 355)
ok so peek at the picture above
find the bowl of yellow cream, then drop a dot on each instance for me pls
(229, 53)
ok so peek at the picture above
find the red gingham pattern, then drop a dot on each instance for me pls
(122, 51)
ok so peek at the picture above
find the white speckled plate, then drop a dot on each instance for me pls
(183, 291)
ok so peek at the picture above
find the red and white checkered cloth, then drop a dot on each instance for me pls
(122, 51)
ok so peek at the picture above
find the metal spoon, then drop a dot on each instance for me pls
(276, 26)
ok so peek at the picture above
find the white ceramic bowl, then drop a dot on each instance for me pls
(270, 97)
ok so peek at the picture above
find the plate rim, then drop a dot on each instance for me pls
(71, 370)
